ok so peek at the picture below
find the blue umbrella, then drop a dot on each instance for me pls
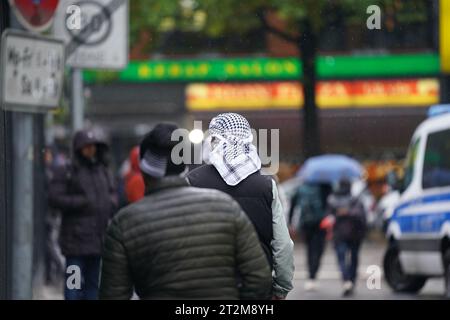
(330, 168)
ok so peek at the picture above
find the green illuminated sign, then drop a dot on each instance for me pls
(328, 67)
(378, 66)
(215, 70)
(206, 70)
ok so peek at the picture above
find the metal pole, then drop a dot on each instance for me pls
(5, 206)
(49, 132)
(5, 166)
(22, 200)
(77, 100)
(22, 253)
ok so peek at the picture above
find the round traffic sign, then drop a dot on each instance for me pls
(34, 15)
(95, 23)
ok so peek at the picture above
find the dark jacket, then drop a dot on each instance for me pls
(181, 242)
(84, 192)
(350, 226)
(254, 195)
(311, 198)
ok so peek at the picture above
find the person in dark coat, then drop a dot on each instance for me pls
(181, 242)
(311, 199)
(235, 168)
(84, 192)
(54, 262)
(348, 231)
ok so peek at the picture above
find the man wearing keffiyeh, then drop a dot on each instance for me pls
(234, 167)
(233, 154)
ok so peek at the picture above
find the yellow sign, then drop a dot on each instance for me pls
(444, 35)
(329, 94)
(207, 96)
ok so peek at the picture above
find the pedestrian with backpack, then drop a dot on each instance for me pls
(348, 232)
(311, 199)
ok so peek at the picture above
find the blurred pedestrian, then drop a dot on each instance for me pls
(134, 183)
(235, 169)
(54, 261)
(84, 191)
(349, 230)
(121, 174)
(311, 200)
(181, 242)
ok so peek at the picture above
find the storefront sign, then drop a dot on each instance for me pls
(330, 94)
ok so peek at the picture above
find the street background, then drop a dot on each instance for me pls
(329, 279)
(330, 283)
(331, 76)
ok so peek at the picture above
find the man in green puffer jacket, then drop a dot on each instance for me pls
(181, 242)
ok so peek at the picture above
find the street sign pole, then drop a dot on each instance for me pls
(77, 99)
(22, 200)
(5, 169)
(22, 238)
(31, 81)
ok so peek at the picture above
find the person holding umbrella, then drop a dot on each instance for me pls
(313, 198)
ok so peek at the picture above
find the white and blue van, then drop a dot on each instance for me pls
(419, 229)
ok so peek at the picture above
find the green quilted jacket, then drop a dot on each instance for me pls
(181, 242)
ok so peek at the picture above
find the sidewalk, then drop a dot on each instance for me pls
(371, 254)
(45, 292)
(330, 283)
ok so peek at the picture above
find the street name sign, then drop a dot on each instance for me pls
(32, 69)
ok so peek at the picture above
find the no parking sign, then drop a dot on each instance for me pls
(95, 32)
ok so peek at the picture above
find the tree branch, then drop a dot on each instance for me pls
(275, 31)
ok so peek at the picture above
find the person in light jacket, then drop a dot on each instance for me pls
(235, 169)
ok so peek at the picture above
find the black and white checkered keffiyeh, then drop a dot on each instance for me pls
(234, 156)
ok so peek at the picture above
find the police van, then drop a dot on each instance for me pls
(419, 229)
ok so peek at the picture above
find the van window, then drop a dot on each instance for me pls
(410, 162)
(436, 166)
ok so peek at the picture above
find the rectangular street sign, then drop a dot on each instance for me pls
(32, 69)
(95, 32)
